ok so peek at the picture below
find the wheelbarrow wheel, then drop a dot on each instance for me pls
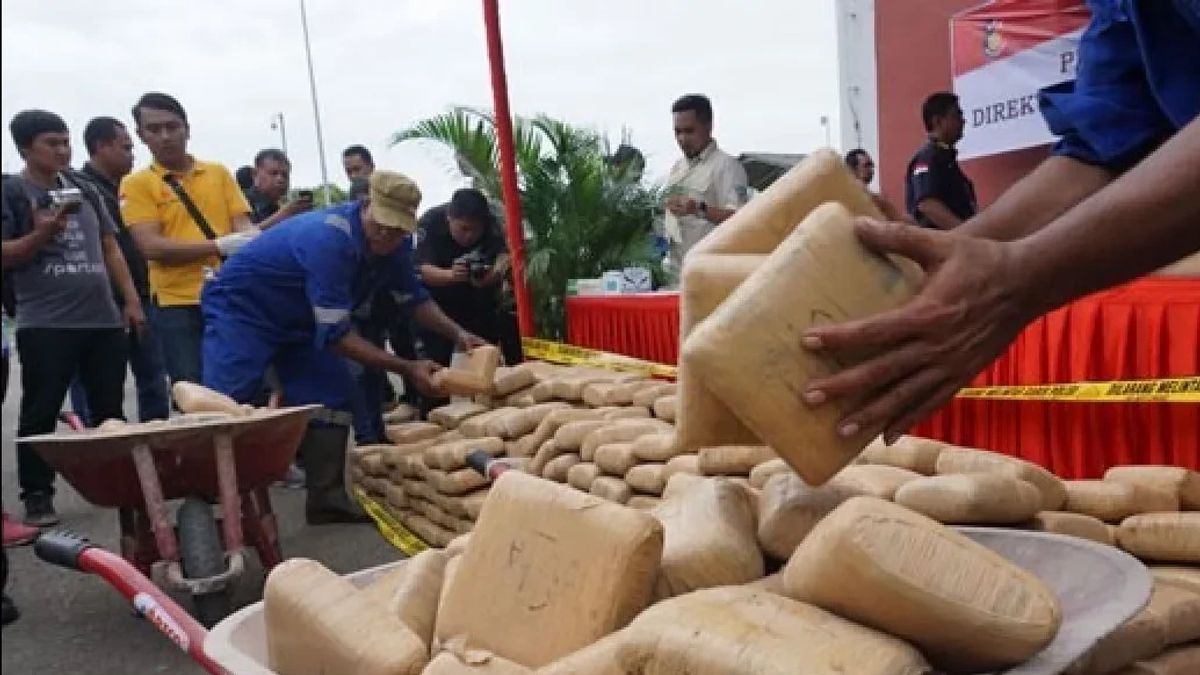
(202, 555)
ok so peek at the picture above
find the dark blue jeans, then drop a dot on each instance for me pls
(149, 376)
(180, 332)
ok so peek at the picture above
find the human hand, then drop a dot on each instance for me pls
(677, 205)
(973, 303)
(135, 318)
(232, 243)
(49, 222)
(298, 206)
(460, 272)
(469, 341)
(421, 374)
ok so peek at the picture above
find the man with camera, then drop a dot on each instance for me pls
(272, 179)
(463, 260)
(61, 258)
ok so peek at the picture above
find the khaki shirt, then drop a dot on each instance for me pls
(713, 177)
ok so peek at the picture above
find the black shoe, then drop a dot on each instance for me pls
(39, 510)
(8, 611)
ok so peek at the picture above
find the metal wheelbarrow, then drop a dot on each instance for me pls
(202, 459)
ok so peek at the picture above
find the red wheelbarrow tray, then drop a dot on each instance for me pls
(100, 465)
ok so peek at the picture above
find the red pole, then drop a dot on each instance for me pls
(508, 166)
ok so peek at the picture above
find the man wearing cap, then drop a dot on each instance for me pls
(285, 300)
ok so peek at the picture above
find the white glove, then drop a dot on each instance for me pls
(232, 243)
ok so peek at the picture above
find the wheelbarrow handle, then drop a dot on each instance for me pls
(74, 552)
(486, 465)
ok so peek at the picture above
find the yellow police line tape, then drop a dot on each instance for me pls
(391, 528)
(1160, 390)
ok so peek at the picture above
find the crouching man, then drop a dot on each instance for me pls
(285, 301)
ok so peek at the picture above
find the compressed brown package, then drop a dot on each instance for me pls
(656, 447)
(919, 455)
(477, 426)
(570, 436)
(643, 502)
(614, 459)
(689, 464)
(702, 418)
(1141, 637)
(763, 471)
(473, 503)
(317, 623)
(581, 475)
(733, 460)
(971, 498)
(473, 377)
(1166, 537)
(518, 423)
(551, 423)
(1073, 524)
(410, 432)
(788, 509)
(453, 455)
(455, 413)
(545, 454)
(456, 482)
(1109, 501)
(549, 571)
(557, 468)
(1179, 608)
(415, 595)
(1180, 481)
(647, 394)
(1187, 577)
(194, 398)
(953, 460)
(509, 380)
(393, 453)
(665, 408)
(709, 539)
(646, 479)
(396, 496)
(877, 480)
(611, 488)
(750, 354)
(618, 431)
(772, 583)
(882, 565)
(737, 629)
(373, 465)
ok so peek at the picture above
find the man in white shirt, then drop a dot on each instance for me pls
(706, 186)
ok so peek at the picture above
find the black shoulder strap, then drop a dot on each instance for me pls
(190, 206)
(88, 188)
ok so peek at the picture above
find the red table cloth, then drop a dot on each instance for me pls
(1149, 328)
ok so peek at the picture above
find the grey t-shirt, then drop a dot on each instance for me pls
(66, 283)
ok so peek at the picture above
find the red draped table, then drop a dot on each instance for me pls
(1149, 328)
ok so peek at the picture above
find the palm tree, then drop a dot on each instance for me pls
(584, 213)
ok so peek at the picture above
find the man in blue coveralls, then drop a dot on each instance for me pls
(285, 300)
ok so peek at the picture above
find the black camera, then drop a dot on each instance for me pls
(477, 265)
(67, 200)
(305, 195)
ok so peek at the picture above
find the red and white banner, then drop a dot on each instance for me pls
(1003, 52)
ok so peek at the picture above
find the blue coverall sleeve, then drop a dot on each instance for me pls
(1108, 116)
(329, 260)
(407, 286)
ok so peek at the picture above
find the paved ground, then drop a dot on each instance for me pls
(74, 623)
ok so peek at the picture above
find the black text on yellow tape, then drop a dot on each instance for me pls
(1161, 390)
(392, 529)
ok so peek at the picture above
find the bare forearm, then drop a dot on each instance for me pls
(118, 271)
(1036, 200)
(430, 316)
(939, 214)
(1140, 222)
(171, 252)
(354, 347)
(22, 250)
(433, 275)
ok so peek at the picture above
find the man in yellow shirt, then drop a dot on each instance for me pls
(185, 215)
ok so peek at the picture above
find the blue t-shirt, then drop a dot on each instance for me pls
(300, 280)
(1138, 82)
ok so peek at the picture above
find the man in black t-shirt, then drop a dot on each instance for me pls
(272, 180)
(937, 192)
(462, 258)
